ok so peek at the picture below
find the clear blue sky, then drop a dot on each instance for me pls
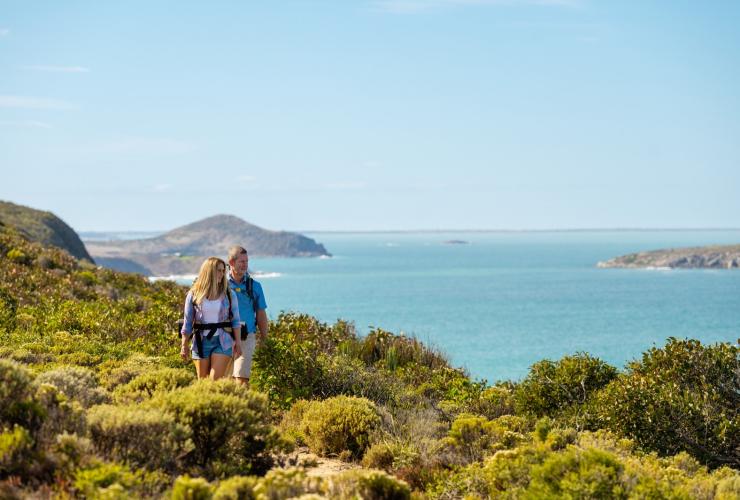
(369, 115)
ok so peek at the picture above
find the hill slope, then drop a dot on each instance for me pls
(181, 250)
(43, 227)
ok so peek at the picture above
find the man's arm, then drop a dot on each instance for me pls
(262, 324)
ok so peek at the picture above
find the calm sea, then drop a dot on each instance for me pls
(508, 299)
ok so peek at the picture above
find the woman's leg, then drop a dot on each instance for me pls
(219, 364)
(202, 367)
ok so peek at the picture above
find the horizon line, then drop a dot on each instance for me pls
(469, 230)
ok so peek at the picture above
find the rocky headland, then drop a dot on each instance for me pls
(709, 257)
(182, 250)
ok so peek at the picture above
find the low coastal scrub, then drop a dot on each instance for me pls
(96, 403)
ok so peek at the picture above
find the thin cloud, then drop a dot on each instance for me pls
(4, 32)
(413, 6)
(138, 145)
(58, 69)
(23, 102)
(26, 124)
(163, 188)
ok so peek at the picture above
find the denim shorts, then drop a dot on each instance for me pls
(212, 346)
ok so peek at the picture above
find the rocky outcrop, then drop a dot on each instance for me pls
(182, 250)
(710, 257)
(43, 227)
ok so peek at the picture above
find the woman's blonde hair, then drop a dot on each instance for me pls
(207, 285)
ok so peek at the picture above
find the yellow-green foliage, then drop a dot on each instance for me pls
(230, 425)
(286, 483)
(16, 451)
(236, 488)
(16, 396)
(144, 437)
(191, 488)
(682, 397)
(104, 480)
(144, 386)
(340, 423)
(474, 437)
(366, 484)
(379, 456)
(595, 465)
(551, 387)
(75, 383)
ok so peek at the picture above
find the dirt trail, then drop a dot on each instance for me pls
(318, 466)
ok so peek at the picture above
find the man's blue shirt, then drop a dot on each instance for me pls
(246, 310)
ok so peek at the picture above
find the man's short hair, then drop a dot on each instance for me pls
(235, 252)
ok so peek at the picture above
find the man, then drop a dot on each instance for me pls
(252, 307)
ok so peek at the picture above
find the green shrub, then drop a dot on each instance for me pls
(551, 387)
(291, 423)
(340, 423)
(230, 425)
(95, 481)
(16, 452)
(286, 483)
(577, 474)
(8, 309)
(60, 414)
(473, 437)
(76, 383)
(18, 256)
(236, 488)
(378, 456)
(396, 351)
(71, 451)
(143, 437)
(191, 488)
(114, 372)
(367, 484)
(682, 397)
(17, 405)
(144, 386)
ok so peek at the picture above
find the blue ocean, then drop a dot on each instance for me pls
(504, 300)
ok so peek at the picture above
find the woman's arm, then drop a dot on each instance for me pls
(187, 326)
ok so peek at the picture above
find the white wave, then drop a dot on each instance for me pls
(265, 275)
(658, 268)
(325, 257)
(174, 277)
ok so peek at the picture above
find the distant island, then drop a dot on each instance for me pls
(42, 227)
(709, 257)
(182, 250)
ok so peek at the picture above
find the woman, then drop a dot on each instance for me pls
(212, 320)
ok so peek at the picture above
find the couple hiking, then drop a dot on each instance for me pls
(223, 314)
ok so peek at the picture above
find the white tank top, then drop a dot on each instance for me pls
(210, 310)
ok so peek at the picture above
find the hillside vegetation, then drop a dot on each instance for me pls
(43, 227)
(95, 403)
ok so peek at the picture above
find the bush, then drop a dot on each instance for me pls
(286, 483)
(16, 452)
(60, 415)
(230, 425)
(474, 437)
(114, 373)
(682, 397)
(102, 478)
(550, 387)
(17, 405)
(378, 456)
(340, 423)
(191, 488)
(369, 485)
(76, 383)
(144, 386)
(578, 474)
(143, 437)
(236, 488)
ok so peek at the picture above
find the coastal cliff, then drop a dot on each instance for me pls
(709, 257)
(182, 250)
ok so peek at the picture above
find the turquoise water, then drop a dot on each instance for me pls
(506, 300)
